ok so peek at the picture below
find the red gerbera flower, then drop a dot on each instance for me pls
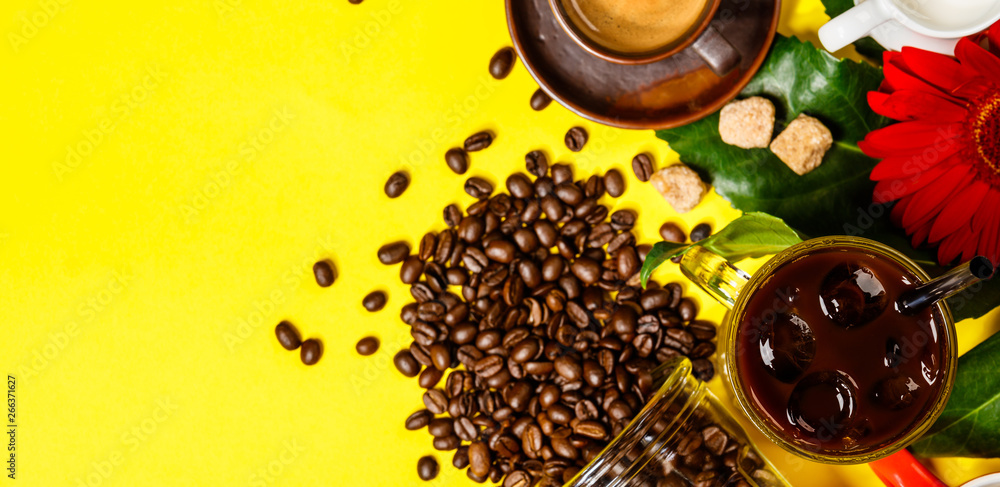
(942, 161)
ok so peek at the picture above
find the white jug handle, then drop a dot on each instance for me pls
(853, 24)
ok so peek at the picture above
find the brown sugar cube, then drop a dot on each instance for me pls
(803, 144)
(747, 123)
(680, 186)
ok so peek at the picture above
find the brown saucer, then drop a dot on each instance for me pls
(675, 91)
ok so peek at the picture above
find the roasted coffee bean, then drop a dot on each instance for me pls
(418, 420)
(439, 426)
(457, 160)
(569, 193)
(700, 232)
(461, 458)
(670, 232)
(519, 186)
(446, 443)
(374, 301)
(540, 100)
(429, 377)
(393, 253)
(576, 138)
(420, 354)
(537, 164)
(310, 351)
(614, 183)
(287, 335)
(568, 368)
(702, 330)
(452, 216)
(623, 220)
(475, 260)
(561, 173)
(624, 239)
(406, 364)
(594, 187)
(586, 270)
(702, 369)
(478, 188)
(488, 366)
(427, 246)
(367, 346)
(591, 429)
(628, 262)
(518, 478)
(324, 273)
(396, 184)
(411, 269)
(687, 309)
(478, 141)
(436, 402)
(501, 251)
(642, 166)
(465, 429)
(532, 441)
(502, 62)
(479, 458)
(427, 468)
(440, 355)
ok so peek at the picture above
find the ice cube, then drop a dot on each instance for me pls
(823, 404)
(851, 295)
(898, 391)
(787, 346)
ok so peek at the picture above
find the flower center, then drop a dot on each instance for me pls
(986, 131)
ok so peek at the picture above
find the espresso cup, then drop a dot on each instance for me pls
(629, 32)
(932, 25)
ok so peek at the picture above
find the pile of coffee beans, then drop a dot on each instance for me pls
(531, 335)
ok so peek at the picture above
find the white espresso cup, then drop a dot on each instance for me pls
(934, 25)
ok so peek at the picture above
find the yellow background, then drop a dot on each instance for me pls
(171, 172)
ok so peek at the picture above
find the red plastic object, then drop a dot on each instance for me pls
(902, 470)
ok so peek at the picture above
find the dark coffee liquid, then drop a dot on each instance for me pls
(825, 356)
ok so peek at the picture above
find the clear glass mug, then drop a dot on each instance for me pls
(735, 289)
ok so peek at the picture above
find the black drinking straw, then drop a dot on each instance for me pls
(952, 282)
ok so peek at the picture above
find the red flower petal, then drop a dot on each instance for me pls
(920, 234)
(979, 59)
(986, 216)
(924, 105)
(994, 36)
(886, 191)
(937, 69)
(898, 167)
(899, 77)
(897, 211)
(951, 247)
(910, 138)
(933, 196)
(959, 210)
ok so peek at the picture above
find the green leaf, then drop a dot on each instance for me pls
(866, 46)
(970, 424)
(751, 235)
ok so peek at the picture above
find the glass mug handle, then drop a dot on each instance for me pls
(714, 274)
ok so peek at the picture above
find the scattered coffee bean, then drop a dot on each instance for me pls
(406, 364)
(576, 138)
(367, 346)
(457, 159)
(502, 63)
(418, 420)
(374, 301)
(287, 335)
(427, 468)
(537, 163)
(311, 351)
(452, 216)
(642, 165)
(478, 141)
(478, 188)
(396, 184)
(323, 271)
(672, 233)
(393, 253)
(354, 2)
(701, 231)
(614, 183)
(539, 100)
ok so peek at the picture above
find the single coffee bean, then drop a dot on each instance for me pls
(536, 163)
(440, 356)
(323, 271)
(411, 269)
(418, 420)
(427, 468)
(520, 186)
(437, 403)
(501, 251)
(614, 183)
(393, 253)
(465, 429)
(576, 138)
(702, 369)
(396, 184)
(478, 141)
(406, 364)
(502, 63)
(374, 301)
(700, 231)
(623, 220)
(642, 166)
(478, 188)
(429, 377)
(311, 351)
(672, 233)
(591, 429)
(367, 346)
(446, 443)
(539, 100)
(687, 309)
(479, 458)
(586, 270)
(452, 216)
(287, 335)
(439, 426)
(518, 478)
(457, 160)
(561, 173)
